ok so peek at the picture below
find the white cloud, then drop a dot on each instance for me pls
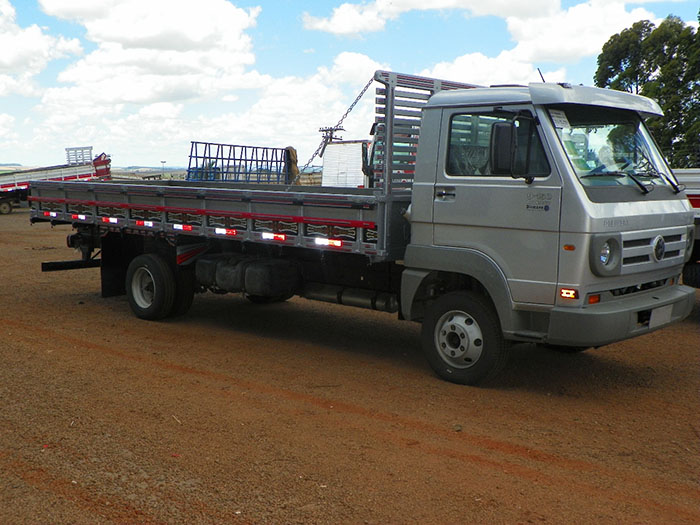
(506, 68)
(291, 110)
(353, 19)
(26, 52)
(568, 35)
(145, 68)
(542, 30)
(7, 125)
(173, 50)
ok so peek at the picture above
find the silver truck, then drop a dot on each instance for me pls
(690, 178)
(540, 214)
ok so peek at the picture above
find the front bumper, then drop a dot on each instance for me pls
(608, 322)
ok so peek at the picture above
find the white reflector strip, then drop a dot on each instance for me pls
(225, 231)
(336, 243)
(274, 236)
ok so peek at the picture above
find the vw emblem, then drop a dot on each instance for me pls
(659, 248)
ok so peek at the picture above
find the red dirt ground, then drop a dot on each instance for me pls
(304, 412)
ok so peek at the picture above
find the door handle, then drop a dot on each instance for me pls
(444, 193)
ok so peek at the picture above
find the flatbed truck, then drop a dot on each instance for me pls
(539, 214)
(14, 186)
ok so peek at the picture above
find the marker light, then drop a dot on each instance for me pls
(274, 236)
(594, 298)
(225, 231)
(568, 293)
(336, 243)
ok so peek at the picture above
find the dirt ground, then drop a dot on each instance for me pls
(304, 412)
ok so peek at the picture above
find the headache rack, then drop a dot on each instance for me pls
(397, 125)
(211, 162)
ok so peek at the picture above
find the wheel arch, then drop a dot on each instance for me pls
(453, 270)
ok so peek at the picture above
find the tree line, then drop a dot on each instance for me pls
(662, 63)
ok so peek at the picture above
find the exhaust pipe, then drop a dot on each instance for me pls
(368, 299)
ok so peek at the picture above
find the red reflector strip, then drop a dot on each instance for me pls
(225, 231)
(110, 220)
(147, 224)
(78, 217)
(568, 293)
(274, 236)
(182, 227)
(50, 214)
(336, 243)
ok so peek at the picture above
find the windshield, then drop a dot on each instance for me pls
(609, 147)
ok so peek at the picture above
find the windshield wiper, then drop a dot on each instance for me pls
(645, 188)
(620, 174)
(677, 188)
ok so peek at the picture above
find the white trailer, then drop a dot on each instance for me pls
(345, 164)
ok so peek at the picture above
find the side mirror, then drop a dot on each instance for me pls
(503, 145)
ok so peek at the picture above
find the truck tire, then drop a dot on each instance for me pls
(462, 339)
(150, 287)
(691, 274)
(184, 291)
(5, 207)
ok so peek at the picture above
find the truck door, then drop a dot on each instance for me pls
(514, 223)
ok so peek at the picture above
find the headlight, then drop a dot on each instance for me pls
(605, 254)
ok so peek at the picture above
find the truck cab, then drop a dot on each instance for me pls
(556, 203)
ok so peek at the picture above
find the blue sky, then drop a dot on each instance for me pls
(140, 79)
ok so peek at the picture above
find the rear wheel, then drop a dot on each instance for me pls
(462, 339)
(150, 287)
(5, 207)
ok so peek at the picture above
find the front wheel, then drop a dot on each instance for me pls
(5, 207)
(150, 287)
(691, 274)
(462, 339)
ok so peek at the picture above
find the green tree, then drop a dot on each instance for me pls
(662, 63)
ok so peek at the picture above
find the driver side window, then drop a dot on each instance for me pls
(470, 143)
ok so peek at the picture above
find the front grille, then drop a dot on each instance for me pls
(640, 250)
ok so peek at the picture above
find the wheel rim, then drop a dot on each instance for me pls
(458, 339)
(143, 288)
